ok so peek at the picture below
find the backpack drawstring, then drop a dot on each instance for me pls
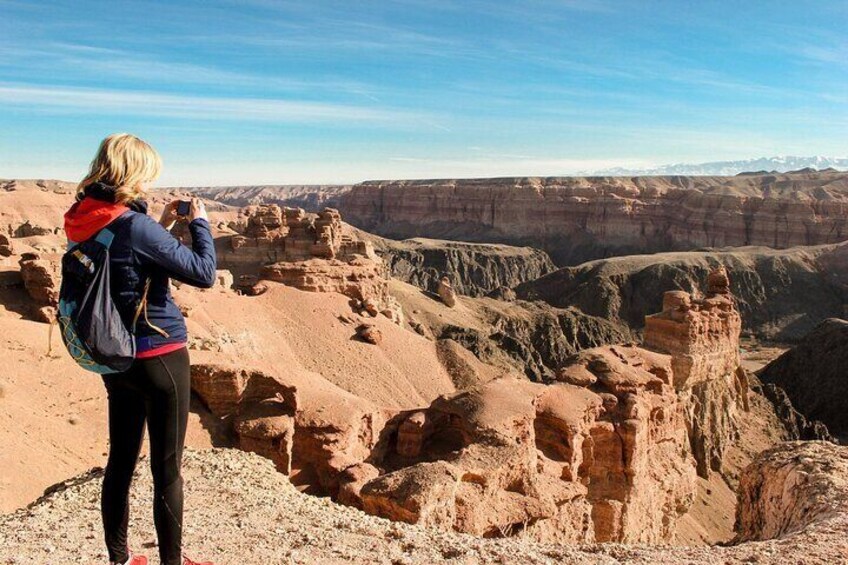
(53, 322)
(142, 305)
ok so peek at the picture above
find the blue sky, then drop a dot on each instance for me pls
(265, 91)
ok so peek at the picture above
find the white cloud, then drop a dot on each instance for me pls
(144, 103)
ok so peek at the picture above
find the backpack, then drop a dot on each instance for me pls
(91, 326)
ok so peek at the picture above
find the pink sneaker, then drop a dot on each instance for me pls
(133, 560)
(187, 561)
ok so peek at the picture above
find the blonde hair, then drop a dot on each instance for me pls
(125, 162)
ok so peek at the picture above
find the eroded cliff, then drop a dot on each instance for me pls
(577, 219)
(781, 294)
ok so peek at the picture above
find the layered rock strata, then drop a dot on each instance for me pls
(312, 198)
(578, 219)
(556, 462)
(475, 269)
(312, 431)
(702, 337)
(306, 251)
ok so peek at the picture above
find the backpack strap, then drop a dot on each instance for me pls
(105, 237)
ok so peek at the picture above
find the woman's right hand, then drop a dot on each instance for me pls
(198, 209)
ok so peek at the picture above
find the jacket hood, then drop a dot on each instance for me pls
(94, 210)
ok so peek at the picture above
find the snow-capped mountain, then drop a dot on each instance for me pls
(725, 168)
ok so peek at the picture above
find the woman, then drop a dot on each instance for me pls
(144, 257)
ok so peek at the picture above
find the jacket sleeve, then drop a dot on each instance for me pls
(155, 245)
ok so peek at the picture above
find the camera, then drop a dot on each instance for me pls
(183, 208)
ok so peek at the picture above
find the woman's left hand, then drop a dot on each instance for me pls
(169, 214)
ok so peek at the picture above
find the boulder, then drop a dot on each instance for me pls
(251, 286)
(369, 333)
(6, 247)
(224, 280)
(42, 278)
(27, 229)
(446, 292)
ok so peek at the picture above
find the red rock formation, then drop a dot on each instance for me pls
(6, 247)
(794, 488)
(309, 252)
(608, 453)
(42, 278)
(311, 429)
(702, 337)
(360, 278)
(577, 219)
(555, 461)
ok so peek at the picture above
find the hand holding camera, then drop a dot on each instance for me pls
(183, 210)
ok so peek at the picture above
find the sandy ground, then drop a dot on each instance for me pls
(298, 333)
(53, 414)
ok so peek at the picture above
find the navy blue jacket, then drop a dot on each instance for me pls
(142, 248)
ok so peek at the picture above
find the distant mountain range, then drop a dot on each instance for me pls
(726, 168)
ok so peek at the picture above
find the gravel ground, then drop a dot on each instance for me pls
(241, 511)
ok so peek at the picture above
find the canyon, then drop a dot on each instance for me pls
(434, 395)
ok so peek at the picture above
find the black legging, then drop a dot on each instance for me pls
(156, 390)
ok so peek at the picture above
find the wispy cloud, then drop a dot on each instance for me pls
(94, 61)
(91, 100)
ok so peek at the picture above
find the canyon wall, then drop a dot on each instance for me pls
(578, 219)
(474, 269)
(781, 294)
(312, 198)
(813, 375)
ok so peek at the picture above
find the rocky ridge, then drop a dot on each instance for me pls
(813, 375)
(312, 198)
(474, 269)
(576, 219)
(781, 294)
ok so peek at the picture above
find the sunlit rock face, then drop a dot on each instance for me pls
(577, 219)
(794, 488)
(702, 337)
(609, 462)
(308, 252)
